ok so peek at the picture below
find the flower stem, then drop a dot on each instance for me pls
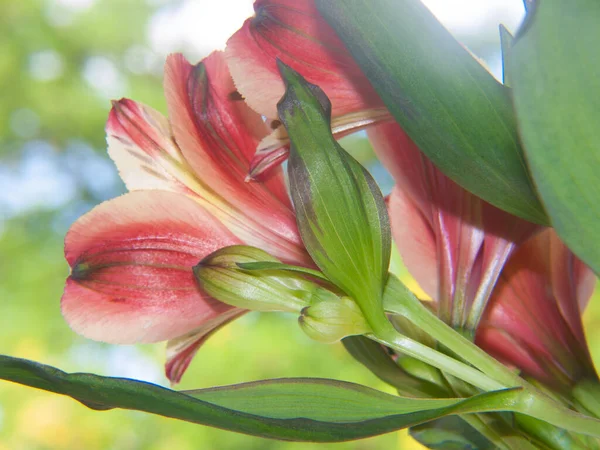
(399, 300)
(530, 401)
(390, 337)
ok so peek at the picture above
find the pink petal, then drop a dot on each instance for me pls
(141, 144)
(217, 134)
(464, 239)
(531, 305)
(504, 348)
(293, 31)
(181, 351)
(415, 240)
(132, 259)
(571, 279)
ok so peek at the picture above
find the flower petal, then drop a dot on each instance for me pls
(532, 307)
(504, 348)
(141, 144)
(464, 238)
(217, 135)
(415, 240)
(131, 260)
(181, 350)
(571, 279)
(293, 31)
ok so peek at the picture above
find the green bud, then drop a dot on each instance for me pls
(330, 321)
(221, 277)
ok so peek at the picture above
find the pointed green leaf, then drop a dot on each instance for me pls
(451, 107)
(555, 74)
(315, 399)
(340, 210)
(289, 409)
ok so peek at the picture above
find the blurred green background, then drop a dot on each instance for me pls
(60, 63)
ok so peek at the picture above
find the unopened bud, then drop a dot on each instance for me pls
(220, 275)
(332, 320)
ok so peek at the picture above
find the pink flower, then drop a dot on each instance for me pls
(131, 257)
(294, 32)
(533, 321)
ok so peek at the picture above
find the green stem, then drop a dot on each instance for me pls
(387, 335)
(529, 401)
(399, 300)
(487, 284)
(539, 406)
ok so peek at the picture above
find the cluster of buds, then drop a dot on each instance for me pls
(324, 315)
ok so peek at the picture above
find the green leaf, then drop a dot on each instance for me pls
(289, 409)
(451, 107)
(555, 74)
(374, 357)
(316, 399)
(340, 210)
(506, 40)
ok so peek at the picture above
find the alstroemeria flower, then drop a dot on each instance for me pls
(131, 258)
(533, 321)
(452, 242)
(294, 32)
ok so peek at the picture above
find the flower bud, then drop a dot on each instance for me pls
(220, 275)
(331, 320)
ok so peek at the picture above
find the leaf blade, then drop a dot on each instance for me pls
(555, 80)
(451, 107)
(105, 393)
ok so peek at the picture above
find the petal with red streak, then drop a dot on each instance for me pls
(181, 350)
(217, 136)
(415, 240)
(571, 279)
(468, 240)
(141, 145)
(293, 31)
(540, 315)
(132, 259)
